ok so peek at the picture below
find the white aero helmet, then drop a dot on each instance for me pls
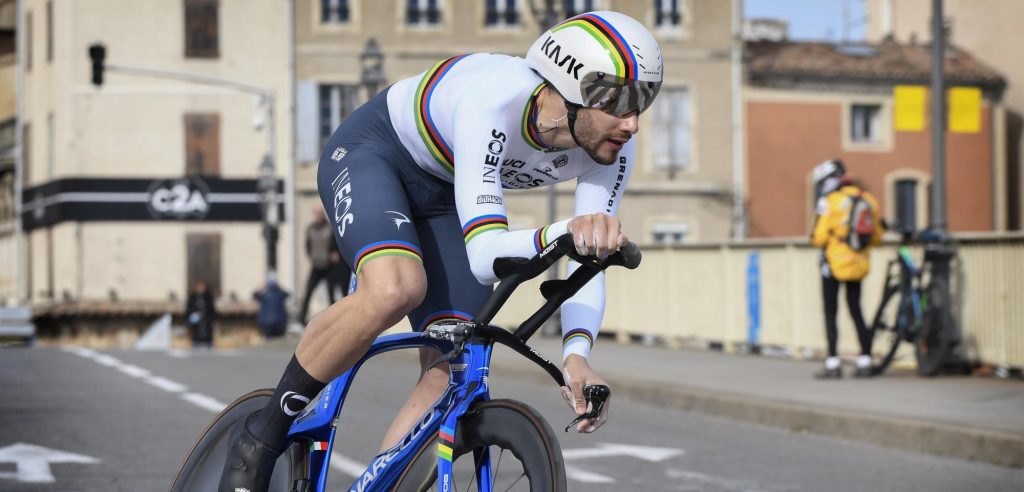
(602, 60)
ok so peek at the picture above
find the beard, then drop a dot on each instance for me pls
(591, 141)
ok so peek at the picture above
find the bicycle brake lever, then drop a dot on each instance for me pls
(596, 394)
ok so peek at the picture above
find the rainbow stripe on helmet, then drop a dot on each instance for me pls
(615, 45)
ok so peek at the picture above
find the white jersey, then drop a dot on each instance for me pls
(471, 120)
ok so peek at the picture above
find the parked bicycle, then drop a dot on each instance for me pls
(916, 303)
(492, 435)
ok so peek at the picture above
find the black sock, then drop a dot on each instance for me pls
(270, 425)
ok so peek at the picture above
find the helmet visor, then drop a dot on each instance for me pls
(616, 95)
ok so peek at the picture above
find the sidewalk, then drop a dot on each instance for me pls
(965, 417)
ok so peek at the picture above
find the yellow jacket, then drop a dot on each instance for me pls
(832, 227)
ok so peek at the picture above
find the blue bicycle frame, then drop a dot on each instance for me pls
(468, 385)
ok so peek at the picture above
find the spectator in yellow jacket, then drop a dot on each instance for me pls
(846, 226)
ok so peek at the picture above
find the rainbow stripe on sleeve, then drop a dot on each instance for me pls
(386, 248)
(576, 334)
(483, 224)
(432, 138)
(618, 49)
(540, 238)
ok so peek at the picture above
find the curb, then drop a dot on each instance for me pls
(936, 438)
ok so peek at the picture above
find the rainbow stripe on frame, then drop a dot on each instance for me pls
(483, 224)
(610, 39)
(445, 443)
(425, 125)
(386, 248)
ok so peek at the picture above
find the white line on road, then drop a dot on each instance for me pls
(717, 483)
(133, 371)
(106, 360)
(165, 384)
(581, 475)
(346, 465)
(203, 401)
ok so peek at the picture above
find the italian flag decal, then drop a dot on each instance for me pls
(318, 446)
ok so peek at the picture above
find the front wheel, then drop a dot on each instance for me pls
(203, 466)
(885, 327)
(524, 453)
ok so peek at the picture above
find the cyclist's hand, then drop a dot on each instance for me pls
(597, 234)
(578, 374)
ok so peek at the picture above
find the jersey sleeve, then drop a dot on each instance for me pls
(599, 191)
(479, 151)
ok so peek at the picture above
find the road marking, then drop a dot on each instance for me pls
(203, 401)
(581, 475)
(33, 462)
(716, 482)
(133, 371)
(347, 466)
(165, 384)
(106, 360)
(604, 450)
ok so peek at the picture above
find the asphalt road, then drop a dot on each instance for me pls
(79, 420)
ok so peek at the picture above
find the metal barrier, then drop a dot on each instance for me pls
(698, 294)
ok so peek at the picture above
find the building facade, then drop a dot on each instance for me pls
(681, 190)
(137, 188)
(867, 105)
(989, 30)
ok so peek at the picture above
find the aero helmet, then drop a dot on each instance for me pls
(602, 60)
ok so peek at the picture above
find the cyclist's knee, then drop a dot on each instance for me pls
(394, 285)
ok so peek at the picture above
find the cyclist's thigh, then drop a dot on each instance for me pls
(452, 290)
(366, 204)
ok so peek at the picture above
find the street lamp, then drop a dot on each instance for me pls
(372, 62)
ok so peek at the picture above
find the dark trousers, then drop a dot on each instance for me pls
(317, 275)
(830, 289)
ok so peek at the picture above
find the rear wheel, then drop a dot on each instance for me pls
(886, 326)
(525, 455)
(202, 467)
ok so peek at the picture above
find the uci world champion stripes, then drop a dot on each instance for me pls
(540, 238)
(483, 224)
(618, 49)
(445, 443)
(437, 146)
(578, 334)
(386, 248)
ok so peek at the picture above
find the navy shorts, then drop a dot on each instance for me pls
(381, 203)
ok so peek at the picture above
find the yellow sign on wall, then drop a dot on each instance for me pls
(964, 109)
(909, 108)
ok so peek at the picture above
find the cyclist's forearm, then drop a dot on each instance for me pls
(582, 315)
(483, 248)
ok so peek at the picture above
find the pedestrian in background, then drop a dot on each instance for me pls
(201, 314)
(846, 226)
(319, 246)
(341, 274)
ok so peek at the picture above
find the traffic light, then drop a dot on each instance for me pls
(97, 53)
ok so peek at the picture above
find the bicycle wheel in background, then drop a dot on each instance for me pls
(885, 327)
(202, 468)
(937, 338)
(525, 455)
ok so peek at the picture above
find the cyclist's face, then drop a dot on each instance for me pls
(602, 135)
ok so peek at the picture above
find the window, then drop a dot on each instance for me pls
(202, 144)
(334, 11)
(201, 32)
(49, 31)
(203, 257)
(670, 233)
(864, 123)
(575, 7)
(423, 12)
(671, 133)
(668, 13)
(905, 192)
(28, 41)
(501, 13)
(337, 101)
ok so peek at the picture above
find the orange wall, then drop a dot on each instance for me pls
(785, 140)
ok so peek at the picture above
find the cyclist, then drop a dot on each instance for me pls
(413, 187)
(844, 257)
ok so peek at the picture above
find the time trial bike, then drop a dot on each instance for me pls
(467, 441)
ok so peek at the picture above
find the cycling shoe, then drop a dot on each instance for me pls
(249, 462)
